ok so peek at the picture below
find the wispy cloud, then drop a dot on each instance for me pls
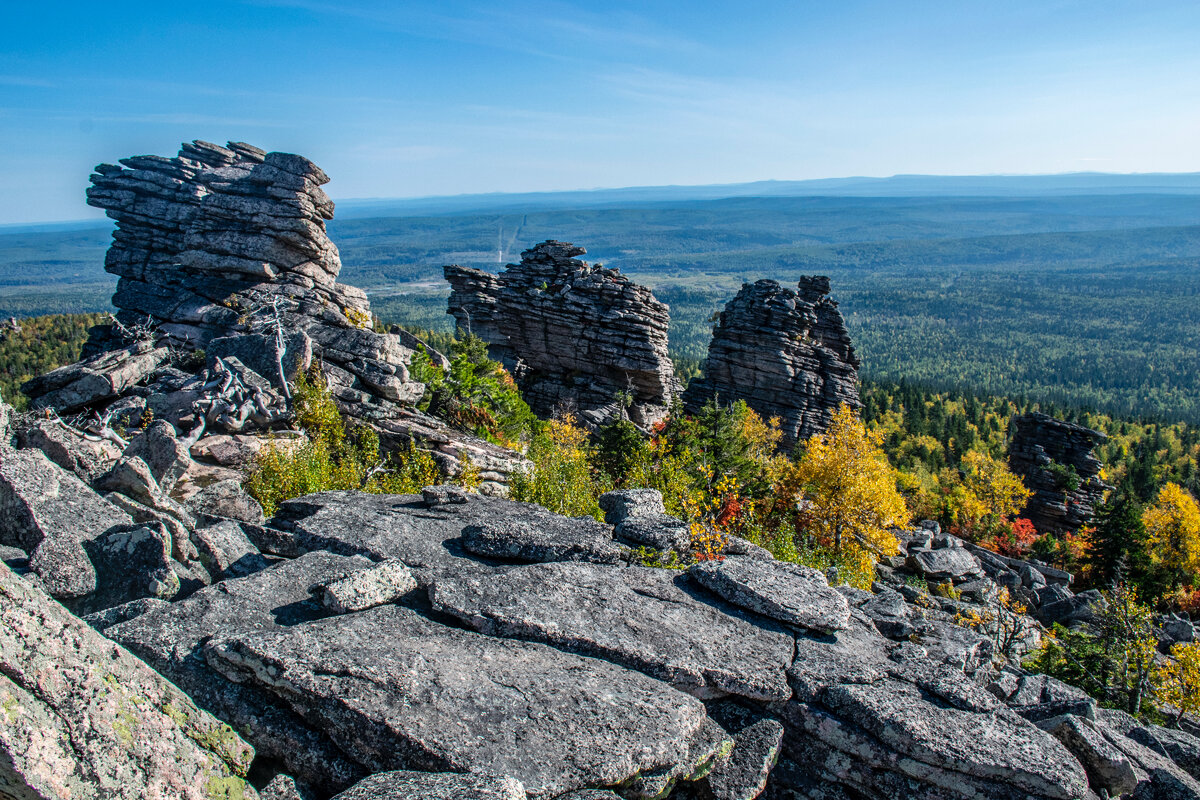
(22, 80)
(551, 30)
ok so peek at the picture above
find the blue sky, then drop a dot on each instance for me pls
(405, 99)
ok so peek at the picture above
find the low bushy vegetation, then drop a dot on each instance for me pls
(334, 455)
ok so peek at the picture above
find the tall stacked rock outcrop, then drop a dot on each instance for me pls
(786, 353)
(224, 250)
(575, 334)
(210, 243)
(1045, 452)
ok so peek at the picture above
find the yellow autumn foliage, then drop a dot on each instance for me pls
(1173, 530)
(1178, 680)
(850, 487)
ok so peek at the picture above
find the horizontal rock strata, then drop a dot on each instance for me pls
(785, 352)
(224, 250)
(401, 691)
(1054, 459)
(574, 334)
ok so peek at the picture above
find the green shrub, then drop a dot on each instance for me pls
(562, 477)
(476, 394)
(335, 456)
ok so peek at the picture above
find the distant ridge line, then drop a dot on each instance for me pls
(894, 186)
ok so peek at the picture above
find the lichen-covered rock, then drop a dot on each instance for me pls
(622, 504)
(132, 562)
(384, 582)
(226, 551)
(67, 447)
(791, 593)
(575, 334)
(228, 500)
(171, 640)
(757, 741)
(1044, 452)
(657, 531)
(101, 376)
(411, 785)
(403, 527)
(397, 690)
(82, 717)
(786, 353)
(48, 512)
(543, 539)
(635, 616)
(946, 564)
(164, 454)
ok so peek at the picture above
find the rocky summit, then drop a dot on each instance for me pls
(162, 637)
(1055, 461)
(786, 352)
(575, 335)
(455, 645)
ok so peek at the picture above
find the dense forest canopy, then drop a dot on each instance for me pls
(1084, 301)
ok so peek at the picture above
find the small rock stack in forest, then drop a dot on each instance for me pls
(786, 353)
(1055, 460)
(575, 334)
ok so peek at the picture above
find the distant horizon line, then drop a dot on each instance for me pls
(843, 183)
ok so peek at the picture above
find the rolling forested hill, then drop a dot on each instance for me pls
(1082, 300)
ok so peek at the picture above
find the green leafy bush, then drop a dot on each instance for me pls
(562, 477)
(335, 456)
(476, 393)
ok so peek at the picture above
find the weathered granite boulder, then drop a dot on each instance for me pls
(228, 500)
(657, 531)
(543, 540)
(48, 512)
(642, 618)
(68, 447)
(381, 583)
(573, 334)
(397, 691)
(171, 640)
(132, 562)
(82, 717)
(946, 564)
(786, 353)
(428, 539)
(102, 376)
(757, 741)
(1055, 460)
(226, 551)
(790, 593)
(411, 785)
(160, 448)
(622, 504)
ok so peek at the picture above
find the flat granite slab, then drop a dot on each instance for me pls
(398, 691)
(639, 617)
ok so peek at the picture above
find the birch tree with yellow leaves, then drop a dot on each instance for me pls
(849, 485)
(1173, 534)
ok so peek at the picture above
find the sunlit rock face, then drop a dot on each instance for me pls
(786, 352)
(575, 334)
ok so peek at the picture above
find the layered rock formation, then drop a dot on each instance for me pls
(573, 334)
(786, 353)
(218, 241)
(1055, 460)
(224, 250)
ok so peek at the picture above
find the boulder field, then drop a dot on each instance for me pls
(451, 644)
